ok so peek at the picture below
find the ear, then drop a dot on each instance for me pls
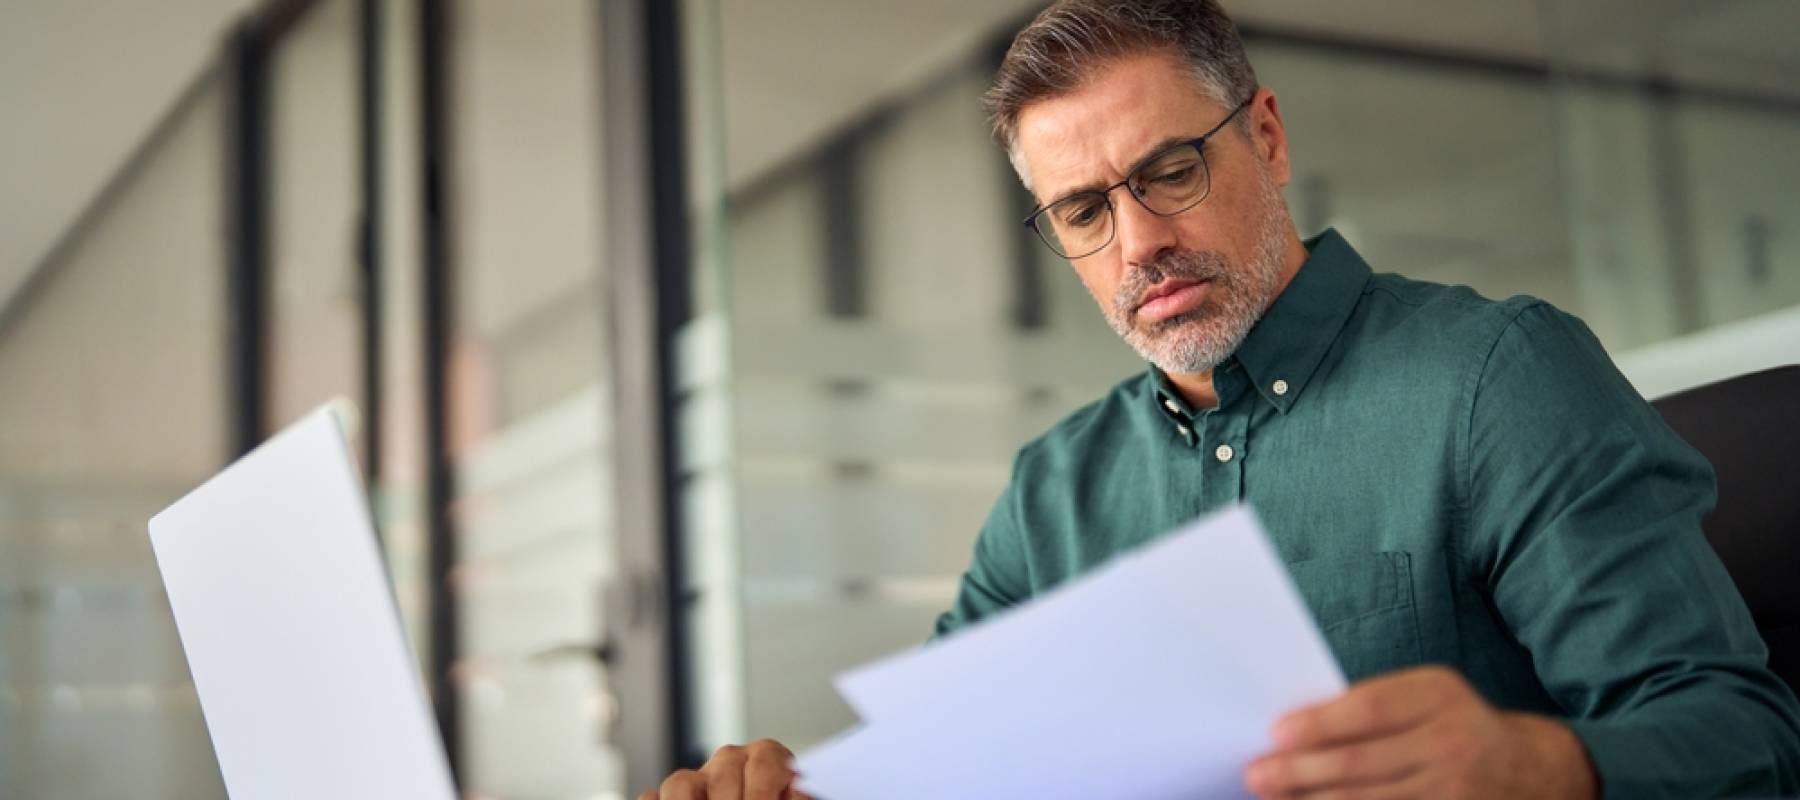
(1269, 134)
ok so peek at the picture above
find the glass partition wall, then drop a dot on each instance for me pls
(528, 387)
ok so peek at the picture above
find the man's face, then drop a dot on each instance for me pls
(1182, 290)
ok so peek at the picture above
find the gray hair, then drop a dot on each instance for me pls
(1063, 47)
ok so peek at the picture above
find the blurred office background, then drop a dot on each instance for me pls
(692, 340)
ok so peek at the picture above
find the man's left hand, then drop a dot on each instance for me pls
(1420, 732)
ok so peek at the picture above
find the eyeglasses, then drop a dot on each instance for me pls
(1167, 183)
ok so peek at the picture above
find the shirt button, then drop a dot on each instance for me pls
(1183, 430)
(1170, 405)
(1223, 454)
(1280, 388)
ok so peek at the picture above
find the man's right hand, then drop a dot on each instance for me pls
(761, 770)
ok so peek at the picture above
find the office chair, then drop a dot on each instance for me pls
(1749, 428)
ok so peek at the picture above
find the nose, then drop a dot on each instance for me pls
(1142, 235)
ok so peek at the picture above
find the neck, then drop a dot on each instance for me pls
(1197, 387)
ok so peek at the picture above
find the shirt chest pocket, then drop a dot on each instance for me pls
(1364, 606)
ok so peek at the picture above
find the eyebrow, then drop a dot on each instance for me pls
(1152, 152)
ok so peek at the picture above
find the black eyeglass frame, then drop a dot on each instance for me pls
(1199, 145)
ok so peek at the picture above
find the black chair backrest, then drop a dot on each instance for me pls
(1749, 428)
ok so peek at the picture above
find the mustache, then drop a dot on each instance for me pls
(1189, 265)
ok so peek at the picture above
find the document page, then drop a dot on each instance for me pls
(1157, 675)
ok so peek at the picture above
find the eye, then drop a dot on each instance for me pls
(1081, 214)
(1175, 176)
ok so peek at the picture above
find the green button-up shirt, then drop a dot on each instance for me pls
(1451, 480)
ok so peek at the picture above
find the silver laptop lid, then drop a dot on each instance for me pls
(305, 679)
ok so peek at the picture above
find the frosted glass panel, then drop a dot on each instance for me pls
(528, 394)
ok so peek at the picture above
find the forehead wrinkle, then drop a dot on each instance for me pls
(1139, 162)
(1085, 124)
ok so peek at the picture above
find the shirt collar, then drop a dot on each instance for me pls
(1284, 348)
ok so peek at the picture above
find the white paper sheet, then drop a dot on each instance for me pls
(1156, 676)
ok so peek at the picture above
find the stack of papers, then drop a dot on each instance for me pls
(1157, 675)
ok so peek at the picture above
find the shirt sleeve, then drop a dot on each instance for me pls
(996, 578)
(1585, 510)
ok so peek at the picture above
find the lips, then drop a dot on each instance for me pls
(1170, 298)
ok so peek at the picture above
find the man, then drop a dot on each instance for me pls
(1499, 538)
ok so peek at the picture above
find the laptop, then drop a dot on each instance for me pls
(305, 679)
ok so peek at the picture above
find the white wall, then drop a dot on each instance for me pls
(81, 84)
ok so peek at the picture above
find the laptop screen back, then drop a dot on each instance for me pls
(295, 645)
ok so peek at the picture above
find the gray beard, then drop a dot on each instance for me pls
(1200, 340)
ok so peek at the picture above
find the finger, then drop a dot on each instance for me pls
(1411, 787)
(769, 771)
(725, 773)
(684, 785)
(1371, 762)
(649, 794)
(1374, 707)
